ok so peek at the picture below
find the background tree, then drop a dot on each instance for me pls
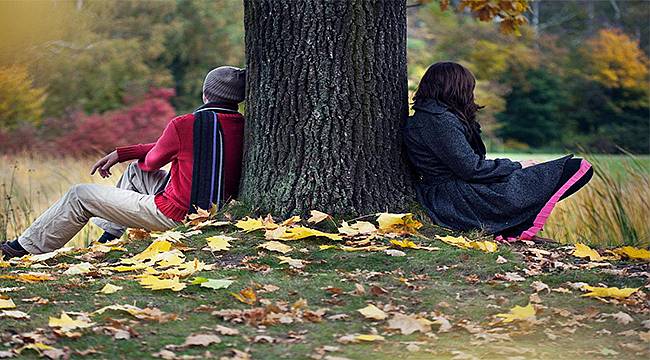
(20, 102)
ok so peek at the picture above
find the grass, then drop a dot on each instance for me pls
(457, 284)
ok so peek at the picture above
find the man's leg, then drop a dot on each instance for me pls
(134, 179)
(58, 224)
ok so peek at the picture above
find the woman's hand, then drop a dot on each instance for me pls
(103, 165)
(528, 163)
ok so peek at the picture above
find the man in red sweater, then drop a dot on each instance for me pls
(146, 196)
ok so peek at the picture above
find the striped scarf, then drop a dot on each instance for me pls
(207, 172)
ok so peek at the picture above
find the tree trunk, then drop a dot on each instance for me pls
(326, 97)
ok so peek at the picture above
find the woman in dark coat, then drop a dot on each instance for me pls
(459, 187)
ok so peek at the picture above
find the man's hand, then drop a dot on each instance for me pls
(103, 165)
(528, 163)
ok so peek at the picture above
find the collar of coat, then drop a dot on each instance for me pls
(432, 106)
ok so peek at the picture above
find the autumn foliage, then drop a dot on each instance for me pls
(80, 134)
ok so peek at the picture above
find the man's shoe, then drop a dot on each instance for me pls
(7, 251)
(106, 237)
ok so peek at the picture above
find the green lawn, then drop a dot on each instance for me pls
(465, 287)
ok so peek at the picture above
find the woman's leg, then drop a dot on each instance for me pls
(58, 224)
(571, 168)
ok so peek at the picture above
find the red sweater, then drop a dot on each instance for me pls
(176, 145)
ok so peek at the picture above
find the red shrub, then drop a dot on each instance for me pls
(81, 134)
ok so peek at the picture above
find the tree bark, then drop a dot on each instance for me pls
(326, 97)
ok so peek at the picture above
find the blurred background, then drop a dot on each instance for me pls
(80, 77)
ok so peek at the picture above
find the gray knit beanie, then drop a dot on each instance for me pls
(225, 83)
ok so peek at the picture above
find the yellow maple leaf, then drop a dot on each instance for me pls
(301, 232)
(66, 323)
(372, 312)
(249, 224)
(169, 258)
(110, 288)
(485, 246)
(404, 244)
(325, 247)
(7, 304)
(186, 269)
(369, 337)
(276, 246)
(518, 313)
(156, 247)
(247, 296)
(125, 268)
(219, 242)
(584, 251)
(399, 223)
(152, 282)
(463, 243)
(612, 292)
(633, 253)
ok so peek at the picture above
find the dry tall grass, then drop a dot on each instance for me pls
(30, 183)
(613, 209)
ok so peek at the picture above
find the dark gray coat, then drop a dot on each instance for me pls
(460, 188)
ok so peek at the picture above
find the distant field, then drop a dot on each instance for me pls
(614, 164)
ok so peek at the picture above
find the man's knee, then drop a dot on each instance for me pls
(80, 191)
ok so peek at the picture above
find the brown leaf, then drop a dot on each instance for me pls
(201, 340)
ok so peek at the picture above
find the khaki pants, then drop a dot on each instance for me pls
(130, 204)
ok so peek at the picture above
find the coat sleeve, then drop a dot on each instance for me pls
(132, 152)
(444, 136)
(163, 151)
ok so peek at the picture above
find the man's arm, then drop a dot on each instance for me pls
(150, 157)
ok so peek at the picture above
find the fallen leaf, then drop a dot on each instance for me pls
(301, 232)
(539, 286)
(110, 289)
(7, 304)
(294, 263)
(404, 243)
(276, 246)
(633, 253)
(14, 314)
(249, 224)
(212, 283)
(398, 223)
(219, 242)
(201, 340)
(373, 312)
(408, 324)
(620, 317)
(612, 292)
(138, 234)
(358, 228)
(224, 330)
(395, 252)
(369, 337)
(247, 296)
(66, 323)
(317, 216)
(524, 313)
(584, 251)
(154, 283)
(79, 269)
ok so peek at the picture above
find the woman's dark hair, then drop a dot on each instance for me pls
(453, 85)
